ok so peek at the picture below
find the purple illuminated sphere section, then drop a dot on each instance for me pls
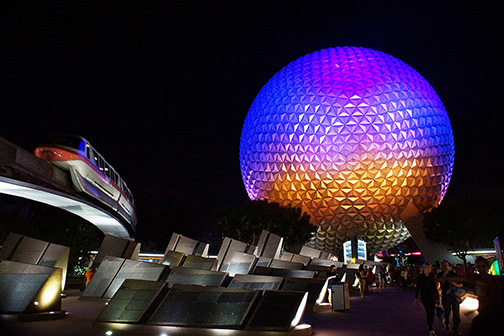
(351, 135)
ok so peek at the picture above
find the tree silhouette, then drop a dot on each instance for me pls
(467, 222)
(246, 221)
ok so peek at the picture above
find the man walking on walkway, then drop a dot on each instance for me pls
(450, 303)
(429, 295)
(404, 277)
(362, 275)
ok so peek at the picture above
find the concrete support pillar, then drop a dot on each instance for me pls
(413, 219)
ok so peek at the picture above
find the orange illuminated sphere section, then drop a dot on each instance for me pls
(352, 136)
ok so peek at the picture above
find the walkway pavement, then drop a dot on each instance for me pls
(392, 312)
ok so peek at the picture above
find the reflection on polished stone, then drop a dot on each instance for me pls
(276, 263)
(314, 287)
(173, 259)
(113, 246)
(188, 276)
(30, 251)
(132, 269)
(132, 300)
(297, 258)
(204, 307)
(278, 310)
(239, 263)
(103, 277)
(9, 245)
(201, 263)
(257, 282)
(293, 273)
(227, 250)
(26, 288)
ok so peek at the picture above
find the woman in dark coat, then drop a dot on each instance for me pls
(362, 275)
(429, 294)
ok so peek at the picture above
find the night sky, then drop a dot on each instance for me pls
(161, 89)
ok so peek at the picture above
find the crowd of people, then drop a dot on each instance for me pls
(441, 288)
(406, 276)
(368, 278)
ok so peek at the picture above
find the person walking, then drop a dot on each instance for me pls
(426, 288)
(383, 276)
(404, 277)
(332, 276)
(89, 275)
(490, 308)
(362, 275)
(332, 272)
(450, 303)
(370, 278)
(377, 278)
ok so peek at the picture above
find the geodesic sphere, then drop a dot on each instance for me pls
(352, 135)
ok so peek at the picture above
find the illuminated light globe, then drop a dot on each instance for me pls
(351, 135)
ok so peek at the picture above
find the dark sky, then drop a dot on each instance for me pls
(161, 89)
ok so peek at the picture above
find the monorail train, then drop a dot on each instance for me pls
(90, 173)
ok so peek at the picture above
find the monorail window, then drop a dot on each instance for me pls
(126, 191)
(88, 152)
(100, 163)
